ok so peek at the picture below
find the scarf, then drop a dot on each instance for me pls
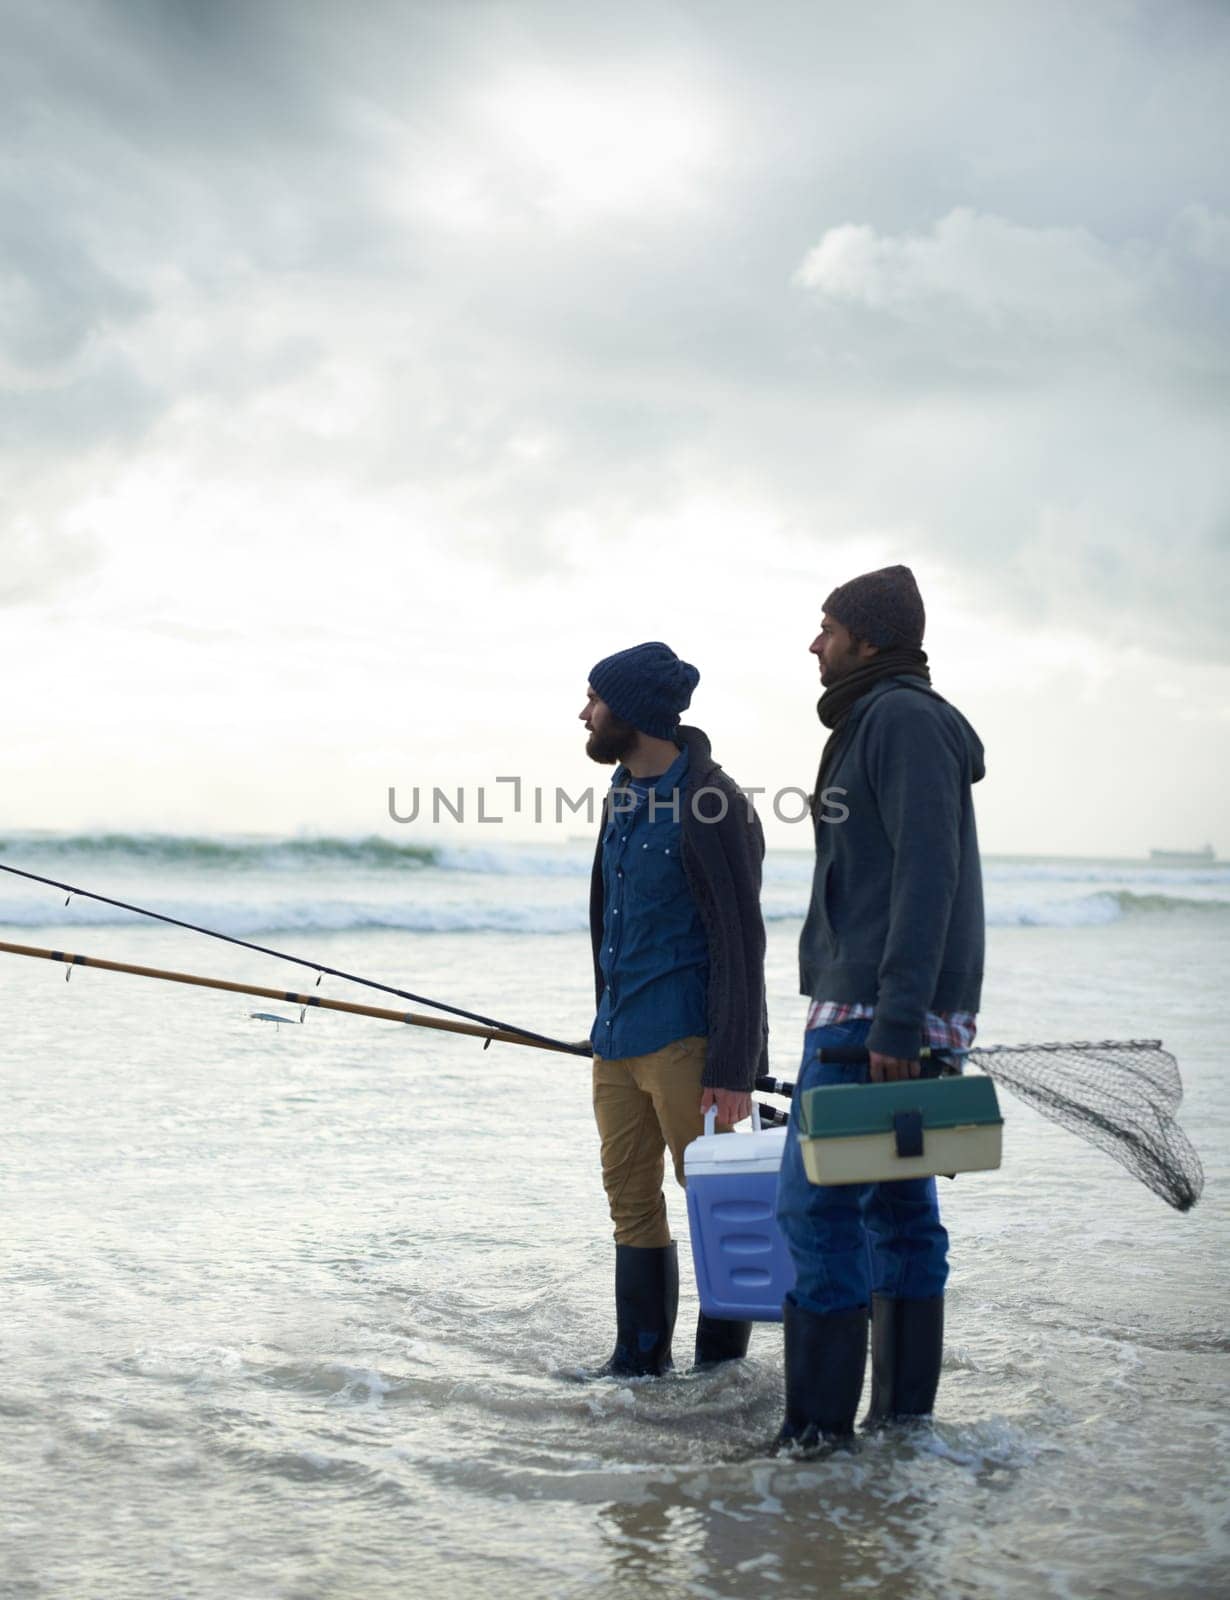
(835, 704)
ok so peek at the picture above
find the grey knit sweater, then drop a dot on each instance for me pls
(722, 856)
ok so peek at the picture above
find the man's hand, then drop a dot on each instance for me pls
(891, 1069)
(731, 1106)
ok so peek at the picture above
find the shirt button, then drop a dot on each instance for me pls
(615, 913)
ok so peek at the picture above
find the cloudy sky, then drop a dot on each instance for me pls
(369, 370)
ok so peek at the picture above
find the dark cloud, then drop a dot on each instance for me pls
(255, 215)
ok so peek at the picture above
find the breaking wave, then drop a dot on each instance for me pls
(231, 853)
(331, 883)
(244, 918)
(1094, 910)
(570, 915)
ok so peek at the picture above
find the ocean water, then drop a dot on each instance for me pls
(296, 1310)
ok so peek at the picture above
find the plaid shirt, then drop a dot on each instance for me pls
(952, 1031)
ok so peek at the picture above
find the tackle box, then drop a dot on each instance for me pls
(878, 1132)
(743, 1268)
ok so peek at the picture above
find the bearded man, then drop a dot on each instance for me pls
(891, 958)
(678, 945)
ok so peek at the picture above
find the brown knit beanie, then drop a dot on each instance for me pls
(883, 607)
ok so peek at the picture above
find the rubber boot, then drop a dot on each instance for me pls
(646, 1300)
(907, 1347)
(719, 1340)
(825, 1360)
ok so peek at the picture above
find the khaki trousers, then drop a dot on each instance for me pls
(644, 1105)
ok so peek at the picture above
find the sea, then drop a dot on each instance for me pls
(300, 1309)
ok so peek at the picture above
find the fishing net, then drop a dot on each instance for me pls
(1120, 1095)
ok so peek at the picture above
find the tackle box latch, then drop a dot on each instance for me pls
(908, 1127)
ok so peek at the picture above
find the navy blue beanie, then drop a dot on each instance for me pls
(647, 686)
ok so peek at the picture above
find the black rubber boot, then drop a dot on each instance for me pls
(718, 1340)
(646, 1300)
(825, 1360)
(907, 1347)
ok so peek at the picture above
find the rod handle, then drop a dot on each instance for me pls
(934, 1063)
(782, 1086)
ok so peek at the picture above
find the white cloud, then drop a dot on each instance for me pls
(1204, 235)
(37, 563)
(1044, 404)
(982, 286)
(996, 270)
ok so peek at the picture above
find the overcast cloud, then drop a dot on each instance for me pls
(466, 294)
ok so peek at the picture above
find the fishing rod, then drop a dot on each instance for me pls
(350, 1007)
(282, 955)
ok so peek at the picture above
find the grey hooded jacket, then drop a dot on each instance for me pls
(896, 915)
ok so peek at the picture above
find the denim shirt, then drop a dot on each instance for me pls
(654, 955)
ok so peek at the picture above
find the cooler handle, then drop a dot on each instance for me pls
(711, 1119)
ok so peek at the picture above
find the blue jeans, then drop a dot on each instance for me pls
(851, 1240)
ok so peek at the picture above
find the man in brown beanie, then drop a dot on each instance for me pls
(891, 959)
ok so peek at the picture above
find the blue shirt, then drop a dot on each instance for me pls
(654, 956)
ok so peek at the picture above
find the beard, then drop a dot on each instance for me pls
(612, 743)
(840, 666)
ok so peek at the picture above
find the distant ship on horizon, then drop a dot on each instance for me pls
(1184, 858)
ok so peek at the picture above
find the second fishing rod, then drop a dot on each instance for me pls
(320, 968)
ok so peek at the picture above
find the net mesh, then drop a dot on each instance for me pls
(1120, 1095)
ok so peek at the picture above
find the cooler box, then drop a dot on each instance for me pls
(878, 1132)
(743, 1268)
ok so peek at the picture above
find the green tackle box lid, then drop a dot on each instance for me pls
(846, 1110)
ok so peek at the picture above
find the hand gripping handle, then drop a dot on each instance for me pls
(935, 1063)
(711, 1119)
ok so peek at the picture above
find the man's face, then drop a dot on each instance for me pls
(837, 651)
(610, 737)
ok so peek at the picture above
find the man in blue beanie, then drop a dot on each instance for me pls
(891, 959)
(678, 946)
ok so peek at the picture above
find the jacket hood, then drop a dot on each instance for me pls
(977, 759)
(697, 745)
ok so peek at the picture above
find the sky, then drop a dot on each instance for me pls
(368, 372)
